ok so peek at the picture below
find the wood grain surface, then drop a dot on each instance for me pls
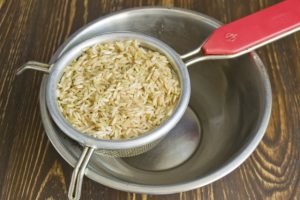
(30, 168)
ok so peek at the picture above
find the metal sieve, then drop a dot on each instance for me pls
(229, 41)
(113, 148)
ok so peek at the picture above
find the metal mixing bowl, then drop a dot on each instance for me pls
(230, 104)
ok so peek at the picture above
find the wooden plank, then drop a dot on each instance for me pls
(30, 168)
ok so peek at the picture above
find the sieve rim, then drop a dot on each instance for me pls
(159, 132)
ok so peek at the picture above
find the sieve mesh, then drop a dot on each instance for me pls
(127, 152)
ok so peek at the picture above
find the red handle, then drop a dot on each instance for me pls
(254, 29)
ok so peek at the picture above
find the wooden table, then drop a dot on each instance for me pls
(30, 168)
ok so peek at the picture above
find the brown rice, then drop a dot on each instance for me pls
(118, 90)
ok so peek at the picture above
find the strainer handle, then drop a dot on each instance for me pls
(249, 33)
(34, 65)
(78, 173)
(255, 30)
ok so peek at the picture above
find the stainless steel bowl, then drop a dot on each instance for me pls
(230, 104)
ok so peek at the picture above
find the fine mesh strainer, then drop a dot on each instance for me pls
(113, 148)
(229, 41)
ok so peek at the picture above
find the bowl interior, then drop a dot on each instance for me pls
(228, 99)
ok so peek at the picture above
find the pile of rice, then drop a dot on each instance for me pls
(118, 90)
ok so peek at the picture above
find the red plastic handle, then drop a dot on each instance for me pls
(254, 29)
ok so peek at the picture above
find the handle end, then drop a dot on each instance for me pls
(38, 66)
